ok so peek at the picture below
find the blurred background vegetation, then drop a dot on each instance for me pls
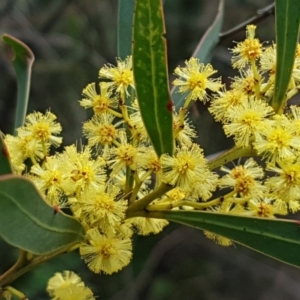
(71, 40)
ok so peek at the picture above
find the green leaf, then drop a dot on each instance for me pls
(204, 49)
(287, 33)
(22, 61)
(151, 74)
(29, 223)
(5, 166)
(277, 238)
(125, 21)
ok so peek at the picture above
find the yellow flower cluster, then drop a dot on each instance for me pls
(118, 168)
(272, 138)
(68, 286)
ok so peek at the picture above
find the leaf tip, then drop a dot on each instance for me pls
(19, 48)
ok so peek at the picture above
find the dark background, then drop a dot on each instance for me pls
(71, 41)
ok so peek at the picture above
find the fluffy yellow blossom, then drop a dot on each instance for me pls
(101, 132)
(281, 206)
(183, 168)
(268, 61)
(224, 101)
(102, 102)
(244, 179)
(125, 154)
(106, 253)
(277, 140)
(49, 179)
(16, 148)
(195, 80)
(121, 76)
(42, 127)
(63, 280)
(203, 186)
(247, 120)
(247, 51)
(68, 286)
(188, 170)
(82, 171)
(146, 226)
(245, 82)
(286, 183)
(268, 65)
(262, 207)
(101, 208)
(125, 230)
(150, 161)
(294, 206)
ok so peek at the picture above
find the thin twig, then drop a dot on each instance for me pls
(260, 15)
(20, 263)
(21, 267)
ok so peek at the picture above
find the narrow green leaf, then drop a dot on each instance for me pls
(28, 223)
(277, 238)
(204, 49)
(151, 74)
(287, 14)
(5, 166)
(22, 61)
(125, 21)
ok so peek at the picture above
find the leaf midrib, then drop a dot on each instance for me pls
(34, 219)
(153, 68)
(233, 227)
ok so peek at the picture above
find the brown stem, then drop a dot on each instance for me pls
(22, 261)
